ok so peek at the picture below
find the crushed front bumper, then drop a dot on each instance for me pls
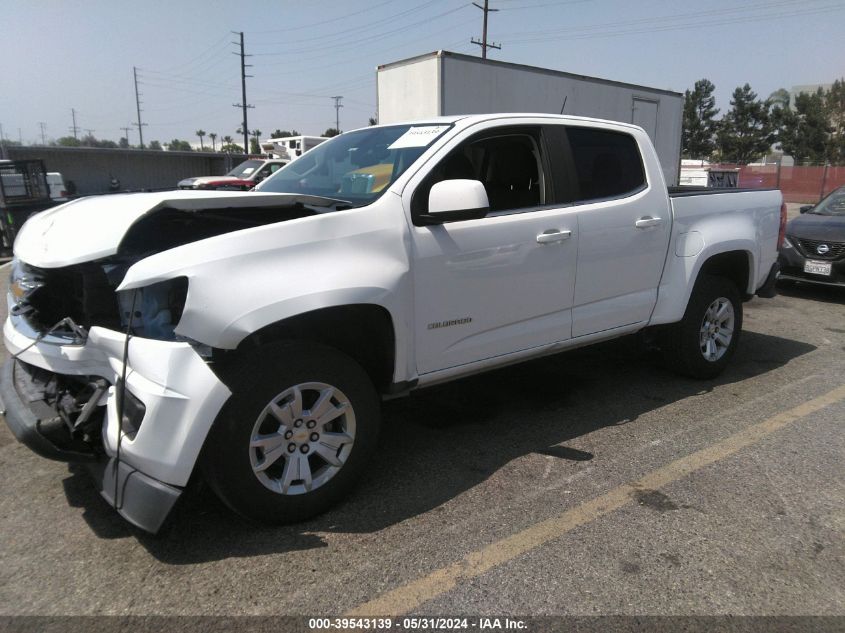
(181, 397)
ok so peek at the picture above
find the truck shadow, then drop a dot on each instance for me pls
(440, 442)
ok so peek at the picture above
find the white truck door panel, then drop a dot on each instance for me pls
(493, 286)
(619, 262)
(624, 224)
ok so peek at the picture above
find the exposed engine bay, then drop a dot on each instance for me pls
(70, 300)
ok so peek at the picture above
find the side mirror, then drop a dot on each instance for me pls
(806, 207)
(454, 200)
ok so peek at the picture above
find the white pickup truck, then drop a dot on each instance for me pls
(248, 337)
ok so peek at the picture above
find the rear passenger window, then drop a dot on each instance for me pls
(607, 164)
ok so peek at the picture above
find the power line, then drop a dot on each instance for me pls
(321, 22)
(193, 60)
(353, 43)
(544, 35)
(343, 35)
(483, 43)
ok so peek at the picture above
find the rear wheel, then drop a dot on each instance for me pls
(296, 434)
(703, 342)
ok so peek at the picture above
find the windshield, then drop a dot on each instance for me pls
(245, 169)
(356, 167)
(834, 204)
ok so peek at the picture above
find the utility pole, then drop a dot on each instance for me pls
(243, 105)
(75, 128)
(483, 43)
(126, 132)
(138, 109)
(337, 106)
(43, 127)
(89, 131)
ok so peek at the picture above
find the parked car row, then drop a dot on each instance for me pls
(242, 178)
(814, 248)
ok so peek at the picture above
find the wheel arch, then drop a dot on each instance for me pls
(733, 260)
(363, 331)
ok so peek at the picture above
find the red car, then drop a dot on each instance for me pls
(242, 178)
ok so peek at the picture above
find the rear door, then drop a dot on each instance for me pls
(624, 225)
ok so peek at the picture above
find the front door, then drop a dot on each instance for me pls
(503, 283)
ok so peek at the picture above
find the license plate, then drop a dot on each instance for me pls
(817, 268)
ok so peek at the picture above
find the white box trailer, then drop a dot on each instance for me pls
(445, 83)
(290, 147)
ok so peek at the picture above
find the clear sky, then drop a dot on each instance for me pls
(56, 54)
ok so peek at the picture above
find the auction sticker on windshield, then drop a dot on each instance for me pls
(419, 136)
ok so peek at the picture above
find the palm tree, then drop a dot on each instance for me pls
(227, 140)
(213, 138)
(255, 144)
(200, 133)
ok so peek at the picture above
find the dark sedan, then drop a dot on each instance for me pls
(814, 248)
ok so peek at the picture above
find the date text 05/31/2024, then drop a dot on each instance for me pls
(417, 624)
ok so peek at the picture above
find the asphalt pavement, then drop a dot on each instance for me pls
(592, 482)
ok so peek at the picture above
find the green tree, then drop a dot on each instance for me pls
(804, 132)
(745, 132)
(68, 141)
(835, 106)
(229, 146)
(201, 134)
(699, 120)
(154, 145)
(177, 145)
(123, 143)
(282, 133)
(331, 132)
(213, 137)
(254, 145)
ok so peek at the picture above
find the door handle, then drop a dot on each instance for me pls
(553, 235)
(647, 221)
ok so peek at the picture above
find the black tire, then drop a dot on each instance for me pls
(682, 347)
(259, 377)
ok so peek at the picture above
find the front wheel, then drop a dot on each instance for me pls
(703, 342)
(301, 423)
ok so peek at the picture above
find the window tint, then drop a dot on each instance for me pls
(607, 164)
(509, 166)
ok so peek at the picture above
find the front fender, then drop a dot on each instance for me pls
(241, 282)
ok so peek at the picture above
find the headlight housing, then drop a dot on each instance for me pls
(158, 308)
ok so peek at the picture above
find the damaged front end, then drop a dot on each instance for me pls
(59, 307)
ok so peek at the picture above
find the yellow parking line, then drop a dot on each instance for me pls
(406, 598)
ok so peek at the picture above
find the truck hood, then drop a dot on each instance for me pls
(91, 228)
